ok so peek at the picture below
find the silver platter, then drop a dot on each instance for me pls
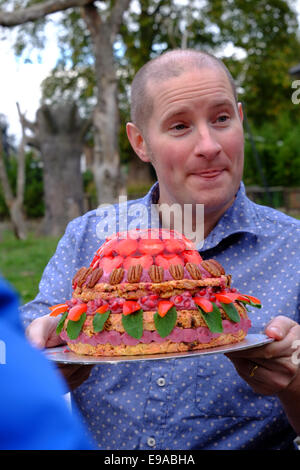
(63, 355)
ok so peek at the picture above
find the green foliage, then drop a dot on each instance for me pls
(278, 146)
(22, 262)
(264, 34)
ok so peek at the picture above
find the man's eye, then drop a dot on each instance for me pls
(179, 127)
(223, 118)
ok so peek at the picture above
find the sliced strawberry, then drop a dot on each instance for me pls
(102, 309)
(130, 306)
(205, 304)
(145, 261)
(108, 263)
(226, 298)
(163, 307)
(151, 246)
(126, 247)
(192, 256)
(175, 245)
(76, 312)
(250, 297)
(167, 259)
(58, 309)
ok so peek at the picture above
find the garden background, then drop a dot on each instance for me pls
(75, 154)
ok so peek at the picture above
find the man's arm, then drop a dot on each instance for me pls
(55, 285)
(274, 369)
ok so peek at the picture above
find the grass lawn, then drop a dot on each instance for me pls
(22, 262)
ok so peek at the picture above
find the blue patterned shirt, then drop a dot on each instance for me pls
(198, 402)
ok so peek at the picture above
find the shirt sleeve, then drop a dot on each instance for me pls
(56, 286)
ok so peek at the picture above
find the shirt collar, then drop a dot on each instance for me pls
(240, 217)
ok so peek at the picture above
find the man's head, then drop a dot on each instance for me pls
(188, 124)
(170, 64)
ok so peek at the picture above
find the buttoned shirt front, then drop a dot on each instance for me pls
(189, 403)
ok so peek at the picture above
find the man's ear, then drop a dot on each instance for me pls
(240, 110)
(137, 141)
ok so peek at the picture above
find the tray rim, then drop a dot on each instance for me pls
(62, 355)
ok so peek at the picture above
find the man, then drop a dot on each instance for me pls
(187, 122)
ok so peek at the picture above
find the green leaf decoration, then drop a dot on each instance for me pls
(249, 302)
(74, 327)
(133, 324)
(231, 311)
(212, 319)
(99, 320)
(61, 322)
(164, 325)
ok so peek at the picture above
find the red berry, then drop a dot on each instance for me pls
(145, 261)
(151, 246)
(108, 263)
(167, 259)
(126, 247)
(192, 256)
(175, 245)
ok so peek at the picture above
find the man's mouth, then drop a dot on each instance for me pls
(208, 174)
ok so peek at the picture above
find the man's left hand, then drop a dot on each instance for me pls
(272, 368)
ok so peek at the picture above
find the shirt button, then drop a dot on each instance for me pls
(151, 441)
(161, 382)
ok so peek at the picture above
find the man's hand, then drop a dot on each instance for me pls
(271, 369)
(42, 334)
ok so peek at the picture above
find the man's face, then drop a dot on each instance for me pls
(195, 139)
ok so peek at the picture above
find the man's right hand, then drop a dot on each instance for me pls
(42, 332)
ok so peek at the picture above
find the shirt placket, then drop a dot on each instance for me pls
(156, 409)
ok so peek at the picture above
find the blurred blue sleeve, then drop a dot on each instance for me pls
(33, 411)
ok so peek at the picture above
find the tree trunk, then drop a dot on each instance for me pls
(106, 168)
(14, 204)
(59, 131)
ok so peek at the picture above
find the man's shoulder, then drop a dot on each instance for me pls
(274, 217)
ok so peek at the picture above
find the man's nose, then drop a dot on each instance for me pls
(207, 145)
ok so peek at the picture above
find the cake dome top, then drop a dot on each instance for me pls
(147, 255)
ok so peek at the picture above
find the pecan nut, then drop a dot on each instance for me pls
(134, 273)
(116, 276)
(156, 273)
(194, 270)
(83, 277)
(95, 276)
(213, 267)
(78, 274)
(176, 271)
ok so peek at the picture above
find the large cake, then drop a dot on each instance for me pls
(150, 292)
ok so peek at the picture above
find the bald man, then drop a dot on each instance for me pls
(187, 122)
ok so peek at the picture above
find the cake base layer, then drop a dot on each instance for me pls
(154, 348)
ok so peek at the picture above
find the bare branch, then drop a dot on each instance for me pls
(116, 14)
(7, 191)
(37, 11)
